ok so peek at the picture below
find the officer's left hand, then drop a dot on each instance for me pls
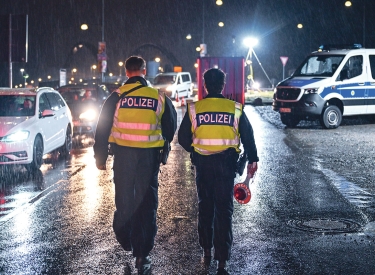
(252, 168)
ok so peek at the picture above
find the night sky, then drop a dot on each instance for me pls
(144, 26)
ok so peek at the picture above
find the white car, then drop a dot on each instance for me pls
(175, 85)
(33, 122)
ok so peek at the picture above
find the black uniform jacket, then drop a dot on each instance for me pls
(105, 122)
(185, 136)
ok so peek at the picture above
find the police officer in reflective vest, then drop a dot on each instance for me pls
(212, 131)
(135, 120)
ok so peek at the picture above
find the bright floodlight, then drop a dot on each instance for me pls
(256, 85)
(250, 42)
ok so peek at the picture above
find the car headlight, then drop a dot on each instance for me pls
(17, 136)
(169, 88)
(310, 91)
(89, 115)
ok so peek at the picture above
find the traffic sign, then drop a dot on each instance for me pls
(284, 59)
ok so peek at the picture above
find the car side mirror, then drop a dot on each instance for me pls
(47, 113)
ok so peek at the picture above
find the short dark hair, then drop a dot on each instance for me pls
(214, 80)
(135, 64)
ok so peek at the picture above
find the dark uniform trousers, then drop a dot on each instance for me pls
(136, 197)
(215, 181)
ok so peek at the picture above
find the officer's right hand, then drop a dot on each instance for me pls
(101, 167)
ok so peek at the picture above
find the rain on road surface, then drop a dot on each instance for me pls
(299, 220)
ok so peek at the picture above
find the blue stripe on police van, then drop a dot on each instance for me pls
(215, 118)
(139, 102)
(295, 82)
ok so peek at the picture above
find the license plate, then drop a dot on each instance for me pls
(285, 110)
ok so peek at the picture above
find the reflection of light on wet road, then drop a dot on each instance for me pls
(256, 123)
(93, 193)
(21, 229)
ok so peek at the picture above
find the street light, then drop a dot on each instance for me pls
(121, 64)
(84, 27)
(93, 68)
(250, 42)
(22, 71)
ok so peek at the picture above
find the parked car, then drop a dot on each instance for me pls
(85, 102)
(33, 122)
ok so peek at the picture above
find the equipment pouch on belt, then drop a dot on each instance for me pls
(164, 152)
(241, 164)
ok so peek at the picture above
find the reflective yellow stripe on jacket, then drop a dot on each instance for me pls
(214, 124)
(137, 120)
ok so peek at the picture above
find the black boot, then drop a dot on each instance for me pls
(222, 268)
(143, 264)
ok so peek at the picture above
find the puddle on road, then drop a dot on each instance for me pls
(353, 193)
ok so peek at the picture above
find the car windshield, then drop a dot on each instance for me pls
(164, 79)
(319, 65)
(17, 105)
(78, 95)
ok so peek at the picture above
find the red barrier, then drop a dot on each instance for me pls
(234, 67)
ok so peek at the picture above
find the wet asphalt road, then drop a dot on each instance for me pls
(312, 210)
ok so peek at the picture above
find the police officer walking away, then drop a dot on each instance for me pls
(212, 131)
(135, 120)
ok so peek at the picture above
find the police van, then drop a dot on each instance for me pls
(333, 82)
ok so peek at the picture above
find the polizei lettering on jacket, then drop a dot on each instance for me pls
(215, 118)
(139, 102)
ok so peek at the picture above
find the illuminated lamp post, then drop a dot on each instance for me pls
(250, 42)
(121, 64)
(22, 72)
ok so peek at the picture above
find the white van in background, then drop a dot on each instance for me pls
(174, 84)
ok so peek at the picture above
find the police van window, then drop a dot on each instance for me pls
(354, 66)
(319, 65)
(372, 65)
